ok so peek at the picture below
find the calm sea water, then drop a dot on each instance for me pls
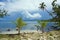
(5, 25)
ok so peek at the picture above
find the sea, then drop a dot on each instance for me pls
(5, 25)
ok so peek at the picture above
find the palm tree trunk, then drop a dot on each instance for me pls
(19, 31)
(19, 35)
(42, 30)
(43, 33)
(48, 12)
(37, 28)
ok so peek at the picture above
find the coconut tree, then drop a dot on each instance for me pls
(43, 7)
(43, 25)
(19, 24)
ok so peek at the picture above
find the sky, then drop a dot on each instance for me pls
(27, 8)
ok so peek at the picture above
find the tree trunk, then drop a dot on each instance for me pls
(19, 35)
(48, 12)
(42, 30)
(19, 31)
(37, 28)
(43, 36)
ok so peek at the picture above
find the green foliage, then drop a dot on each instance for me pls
(56, 11)
(42, 5)
(53, 3)
(42, 23)
(20, 23)
(3, 13)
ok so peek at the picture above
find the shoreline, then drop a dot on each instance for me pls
(22, 31)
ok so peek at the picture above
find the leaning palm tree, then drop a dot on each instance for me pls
(19, 24)
(43, 7)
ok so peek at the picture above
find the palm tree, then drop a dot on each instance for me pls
(43, 7)
(19, 24)
(43, 25)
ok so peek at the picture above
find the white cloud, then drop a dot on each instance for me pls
(2, 3)
(14, 5)
(22, 4)
(31, 16)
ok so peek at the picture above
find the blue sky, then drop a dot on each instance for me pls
(27, 8)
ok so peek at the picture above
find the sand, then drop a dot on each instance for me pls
(15, 32)
(33, 35)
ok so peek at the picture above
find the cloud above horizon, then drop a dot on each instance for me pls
(22, 5)
(17, 5)
(27, 14)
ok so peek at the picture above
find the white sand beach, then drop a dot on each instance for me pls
(22, 31)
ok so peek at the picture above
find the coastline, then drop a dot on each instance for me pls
(22, 31)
